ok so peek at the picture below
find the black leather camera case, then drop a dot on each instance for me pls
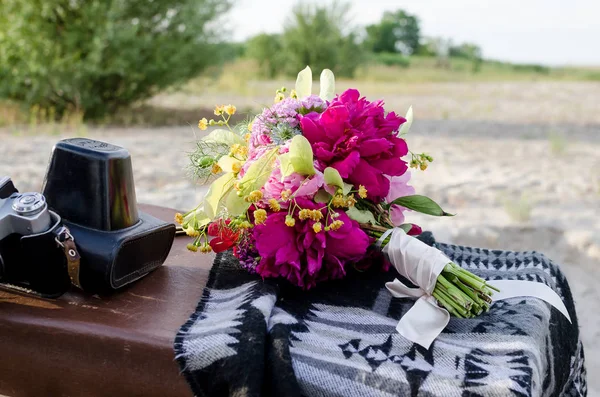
(90, 184)
(112, 259)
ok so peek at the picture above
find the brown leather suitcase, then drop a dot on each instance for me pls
(117, 345)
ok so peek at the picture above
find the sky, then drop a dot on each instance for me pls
(549, 32)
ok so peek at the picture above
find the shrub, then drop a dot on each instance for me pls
(98, 55)
(392, 59)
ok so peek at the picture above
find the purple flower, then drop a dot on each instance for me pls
(357, 138)
(303, 256)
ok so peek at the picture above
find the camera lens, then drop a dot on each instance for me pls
(29, 204)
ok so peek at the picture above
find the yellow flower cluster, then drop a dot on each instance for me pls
(245, 225)
(225, 109)
(236, 167)
(203, 123)
(315, 215)
(317, 227)
(260, 216)
(340, 201)
(179, 218)
(254, 196)
(192, 247)
(216, 168)
(220, 110)
(274, 205)
(335, 225)
(290, 221)
(420, 161)
(190, 231)
(204, 248)
(362, 191)
(285, 195)
(238, 150)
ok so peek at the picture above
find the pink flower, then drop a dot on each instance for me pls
(399, 187)
(298, 185)
(303, 256)
(357, 138)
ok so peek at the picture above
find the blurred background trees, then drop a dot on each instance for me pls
(96, 56)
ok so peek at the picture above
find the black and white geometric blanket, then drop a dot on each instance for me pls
(250, 337)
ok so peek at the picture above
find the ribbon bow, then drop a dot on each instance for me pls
(421, 265)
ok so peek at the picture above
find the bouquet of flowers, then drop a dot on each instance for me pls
(313, 185)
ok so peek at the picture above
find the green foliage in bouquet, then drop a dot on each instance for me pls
(98, 55)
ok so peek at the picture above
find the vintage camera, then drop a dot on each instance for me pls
(31, 257)
(84, 229)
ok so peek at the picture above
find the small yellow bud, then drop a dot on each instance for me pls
(219, 110)
(294, 94)
(230, 109)
(350, 201)
(423, 166)
(179, 218)
(250, 126)
(203, 123)
(335, 225)
(316, 215)
(247, 137)
(304, 214)
(285, 195)
(192, 247)
(216, 168)
(205, 248)
(279, 97)
(254, 196)
(260, 216)
(362, 191)
(290, 221)
(274, 205)
(245, 225)
(338, 201)
(190, 231)
(236, 167)
(317, 227)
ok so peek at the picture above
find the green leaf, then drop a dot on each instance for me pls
(406, 126)
(226, 163)
(322, 196)
(347, 187)
(224, 137)
(258, 173)
(406, 227)
(235, 204)
(216, 192)
(304, 83)
(198, 217)
(332, 177)
(327, 85)
(361, 216)
(421, 204)
(299, 159)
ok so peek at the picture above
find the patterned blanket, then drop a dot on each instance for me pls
(250, 337)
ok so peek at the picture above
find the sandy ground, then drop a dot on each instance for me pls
(513, 186)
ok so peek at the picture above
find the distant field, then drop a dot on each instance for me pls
(496, 91)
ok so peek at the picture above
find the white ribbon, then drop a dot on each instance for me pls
(421, 265)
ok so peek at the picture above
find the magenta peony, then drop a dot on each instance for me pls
(357, 138)
(302, 255)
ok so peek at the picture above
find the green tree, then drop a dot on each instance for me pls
(398, 31)
(99, 55)
(267, 50)
(321, 37)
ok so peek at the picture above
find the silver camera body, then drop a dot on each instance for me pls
(22, 213)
